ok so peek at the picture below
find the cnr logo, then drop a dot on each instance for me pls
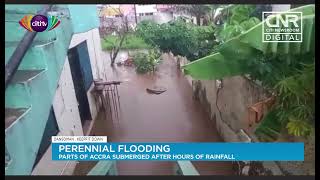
(276, 20)
(282, 26)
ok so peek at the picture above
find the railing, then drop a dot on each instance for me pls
(107, 92)
(18, 54)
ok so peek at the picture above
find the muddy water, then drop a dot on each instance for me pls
(173, 116)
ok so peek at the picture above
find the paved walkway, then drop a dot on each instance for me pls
(173, 116)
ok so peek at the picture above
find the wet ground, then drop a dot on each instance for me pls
(173, 116)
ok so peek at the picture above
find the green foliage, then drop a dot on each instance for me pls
(238, 21)
(206, 67)
(178, 37)
(145, 62)
(286, 68)
(194, 9)
(197, 10)
(269, 128)
(294, 108)
(205, 41)
(299, 127)
(132, 41)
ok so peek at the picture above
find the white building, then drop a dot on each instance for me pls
(75, 112)
(146, 10)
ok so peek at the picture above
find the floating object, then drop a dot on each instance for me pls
(156, 90)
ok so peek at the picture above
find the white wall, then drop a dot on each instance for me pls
(65, 104)
(68, 119)
(164, 17)
(94, 49)
(188, 17)
(146, 9)
(159, 17)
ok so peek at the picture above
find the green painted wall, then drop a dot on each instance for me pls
(48, 54)
(84, 17)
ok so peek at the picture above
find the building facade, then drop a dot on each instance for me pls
(51, 93)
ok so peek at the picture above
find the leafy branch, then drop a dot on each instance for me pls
(287, 68)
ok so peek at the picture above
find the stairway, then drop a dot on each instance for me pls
(29, 96)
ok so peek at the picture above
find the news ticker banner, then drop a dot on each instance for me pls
(96, 148)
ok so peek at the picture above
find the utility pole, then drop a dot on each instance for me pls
(135, 14)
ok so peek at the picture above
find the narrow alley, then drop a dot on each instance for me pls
(173, 116)
(177, 77)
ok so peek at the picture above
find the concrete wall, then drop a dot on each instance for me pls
(151, 8)
(94, 48)
(65, 104)
(97, 65)
(188, 17)
(68, 119)
(83, 22)
(159, 17)
(235, 96)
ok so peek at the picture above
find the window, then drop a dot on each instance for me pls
(51, 129)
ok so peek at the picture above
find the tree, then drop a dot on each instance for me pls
(178, 37)
(286, 70)
(121, 30)
(196, 10)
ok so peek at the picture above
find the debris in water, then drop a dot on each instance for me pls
(156, 90)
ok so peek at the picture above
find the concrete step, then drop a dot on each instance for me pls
(17, 94)
(24, 76)
(34, 57)
(33, 86)
(14, 114)
(28, 89)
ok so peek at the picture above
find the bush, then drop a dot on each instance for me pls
(132, 41)
(145, 62)
(238, 19)
(287, 70)
(179, 37)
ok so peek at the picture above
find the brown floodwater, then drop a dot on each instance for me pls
(173, 116)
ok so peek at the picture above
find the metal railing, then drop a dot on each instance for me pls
(107, 92)
(23, 46)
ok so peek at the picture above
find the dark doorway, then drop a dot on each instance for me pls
(82, 78)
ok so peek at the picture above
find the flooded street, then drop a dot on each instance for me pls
(173, 116)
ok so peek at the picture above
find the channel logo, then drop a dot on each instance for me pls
(39, 23)
(278, 27)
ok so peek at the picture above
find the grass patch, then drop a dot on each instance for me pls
(132, 41)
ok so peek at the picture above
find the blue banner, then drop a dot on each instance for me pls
(179, 151)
